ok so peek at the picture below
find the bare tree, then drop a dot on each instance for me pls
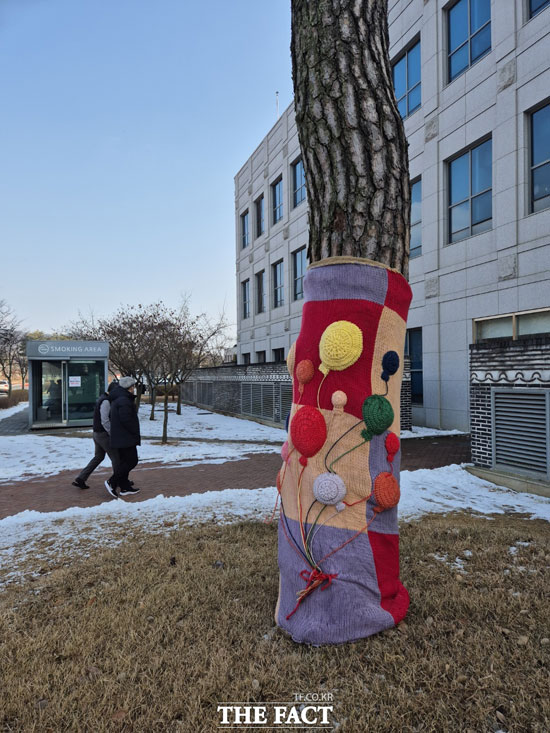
(21, 360)
(350, 131)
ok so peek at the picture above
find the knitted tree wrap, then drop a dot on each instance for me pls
(328, 488)
(291, 359)
(353, 332)
(305, 371)
(340, 347)
(308, 431)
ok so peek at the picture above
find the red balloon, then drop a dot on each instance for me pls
(392, 443)
(308, 431)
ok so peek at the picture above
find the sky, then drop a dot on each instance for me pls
(122, 126)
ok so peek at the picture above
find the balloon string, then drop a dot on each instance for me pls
(338, 440)
(319, 391)
(346, 453)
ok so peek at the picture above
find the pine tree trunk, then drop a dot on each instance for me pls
(153, 399)
(351, 133)
(178, 408)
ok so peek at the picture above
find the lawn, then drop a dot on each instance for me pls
(152, 635)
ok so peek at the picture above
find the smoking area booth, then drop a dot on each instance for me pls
(65, 380)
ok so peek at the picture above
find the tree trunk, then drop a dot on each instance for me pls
(178, 408)
(153, 401)
(139, 392)
(351, 133)
(165, 423)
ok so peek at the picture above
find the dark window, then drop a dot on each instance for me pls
(278, 284)
(413, 349)
(277, 194)
(260, 223)
(469, 34)
(298, 270)
(470, 192)
(278, 354)
(245, 287)
(246, 358)
(540, 159)
(535, 6)
(245, 240)
(260, 292)
(260, 357)
(416, 219)
(406, 81)
(298, 183)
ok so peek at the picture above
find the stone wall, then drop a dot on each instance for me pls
(262, 391)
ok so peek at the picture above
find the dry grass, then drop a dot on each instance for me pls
(152, 635)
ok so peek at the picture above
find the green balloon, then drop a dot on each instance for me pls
(377, 415)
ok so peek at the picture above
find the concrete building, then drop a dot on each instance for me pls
(472, 81)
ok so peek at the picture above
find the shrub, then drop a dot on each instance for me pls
(17, 396)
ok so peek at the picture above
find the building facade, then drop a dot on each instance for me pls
(472, 82)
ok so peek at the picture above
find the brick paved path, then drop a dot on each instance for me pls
(256, 470)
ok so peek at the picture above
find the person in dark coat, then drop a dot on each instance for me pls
(100, 435)
(125, 437)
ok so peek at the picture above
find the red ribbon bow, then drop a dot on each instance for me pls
(314, 579)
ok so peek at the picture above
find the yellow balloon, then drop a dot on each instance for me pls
(341, 345)
(291, 359)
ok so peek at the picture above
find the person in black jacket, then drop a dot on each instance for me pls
(125, 437)
(100, 435)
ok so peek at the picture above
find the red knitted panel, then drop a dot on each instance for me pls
(394, 597)
(398, 295)
(354, 381)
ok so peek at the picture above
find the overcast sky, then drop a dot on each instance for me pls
(122, 125)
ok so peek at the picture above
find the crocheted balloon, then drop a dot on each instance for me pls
(328, 488)
(305, 371)
(386, 491)
(339, 398)
(340, 347)
(308, 431)
(392, 445)
(291, 358)
(390, 362)
(285, 450)
(377, 414)
(279, 483)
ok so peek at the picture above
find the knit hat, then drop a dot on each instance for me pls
(126, 382)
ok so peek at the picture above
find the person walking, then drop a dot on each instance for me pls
(125, 437)
(101, 430)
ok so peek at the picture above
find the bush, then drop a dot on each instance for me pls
(17, 396)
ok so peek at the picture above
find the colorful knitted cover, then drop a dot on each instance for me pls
(339, 482)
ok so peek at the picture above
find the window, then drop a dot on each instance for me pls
(246, 358)
(298, 183)
(535, 6)
(416, 219)
(278, 284)
(260, 223)
(244, 230)
(513, 325)
(277, 197)
(470, 192)
(245, 288)
(260, 292)
(278, 354)
(406, 81)
(298, 269)
(469, 34)
(413, 349)
(540, 159)
(260, 357)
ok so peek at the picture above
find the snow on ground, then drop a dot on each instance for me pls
(33, 454)
(418, 431)
(46, 536)
(204, 424)
(9, 411)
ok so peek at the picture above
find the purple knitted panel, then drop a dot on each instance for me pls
(346, 282)
(347, 610)
(386, 521)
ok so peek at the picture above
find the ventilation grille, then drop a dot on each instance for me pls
(204, 393)
(521, 430)
(270, 401)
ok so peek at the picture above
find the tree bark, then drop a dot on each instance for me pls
(165, 421)
(351, 133)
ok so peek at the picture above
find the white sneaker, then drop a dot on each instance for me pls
(111, 490)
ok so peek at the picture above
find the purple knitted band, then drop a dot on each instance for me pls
(353, 281)
(386, 521)
(350, 608)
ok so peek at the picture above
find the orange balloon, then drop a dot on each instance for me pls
(305, 371)
(386, 491)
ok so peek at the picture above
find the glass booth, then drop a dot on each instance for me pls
(65, 380)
